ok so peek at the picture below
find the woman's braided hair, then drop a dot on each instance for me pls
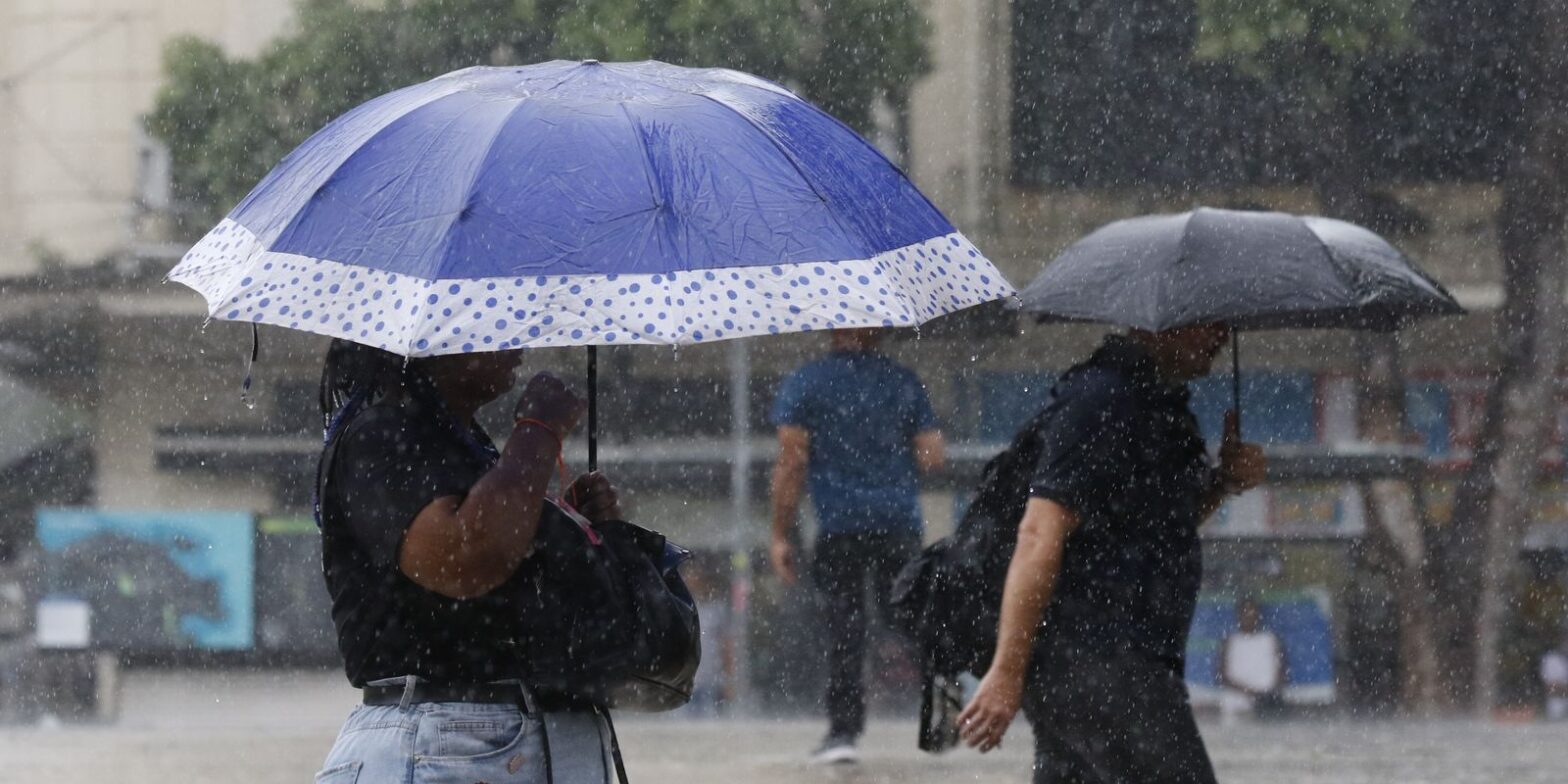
(357, 371)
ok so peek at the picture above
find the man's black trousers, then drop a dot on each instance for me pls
(1111, 715)
(854, 573)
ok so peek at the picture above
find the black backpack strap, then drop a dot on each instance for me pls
(1008, 471)
(1026, 442)
(323, 471)
(615, 748)
(329, 449)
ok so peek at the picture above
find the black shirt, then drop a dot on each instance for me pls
(388, 462)
(1123, 451)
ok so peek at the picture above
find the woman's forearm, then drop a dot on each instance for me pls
(466, 547)
(500, 514)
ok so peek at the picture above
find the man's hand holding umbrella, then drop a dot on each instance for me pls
(1242, 467)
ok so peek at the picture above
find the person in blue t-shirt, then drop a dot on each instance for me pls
(857, 429)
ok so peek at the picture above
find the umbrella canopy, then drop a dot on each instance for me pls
(584, 203)
(1254, 270)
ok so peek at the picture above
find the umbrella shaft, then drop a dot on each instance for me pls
(593, 408)
(1235, 376)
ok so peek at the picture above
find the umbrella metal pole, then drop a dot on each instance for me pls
(742, 531)
(593, 408)
(1235, 376)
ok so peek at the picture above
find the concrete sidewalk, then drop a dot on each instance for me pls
(267, 727)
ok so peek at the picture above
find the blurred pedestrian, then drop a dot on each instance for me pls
(1252, 666)
(857, 428)
(19, 660)
(424, 527)
(1554, 679)
(1103, 583)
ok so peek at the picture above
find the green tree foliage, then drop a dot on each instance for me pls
(1311, 44)
(1311, 50)
(852, 44)
(228, 121)
(756, 36)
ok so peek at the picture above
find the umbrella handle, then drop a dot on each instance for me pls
(593, 408)
(1235, 377)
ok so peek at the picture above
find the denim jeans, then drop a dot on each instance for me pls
(465, 742)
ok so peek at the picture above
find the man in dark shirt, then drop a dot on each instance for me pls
(857, 428)
(1102, 586)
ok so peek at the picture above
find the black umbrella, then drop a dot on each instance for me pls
(1253, 270)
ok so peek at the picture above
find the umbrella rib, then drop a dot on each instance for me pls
(788, 156)
(647, 167)
(1420, 274)
(288, 224)
(407, 174)
(479, 169)
(651, 179)
(268, 233)
(649, 176)
(572, 72)
(400, 180)
(861, 140)
(1405, 312)
(1333, 261)
(874, 150)
(1164, 294)
(1328, 252)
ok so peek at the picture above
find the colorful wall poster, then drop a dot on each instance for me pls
(156, 581)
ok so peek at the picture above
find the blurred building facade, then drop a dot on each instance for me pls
(78, 176)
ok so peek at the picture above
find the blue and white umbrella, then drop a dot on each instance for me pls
(584, 203)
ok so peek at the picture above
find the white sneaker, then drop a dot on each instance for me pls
(836, 751)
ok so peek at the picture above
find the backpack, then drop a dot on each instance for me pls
(948, 599)
(609, 620)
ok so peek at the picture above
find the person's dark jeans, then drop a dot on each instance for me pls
(851, 570)
(1111, 715)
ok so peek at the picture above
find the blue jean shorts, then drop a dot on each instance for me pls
(465, 742)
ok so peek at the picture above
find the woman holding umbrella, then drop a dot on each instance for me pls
(557, 204)
(424, 526)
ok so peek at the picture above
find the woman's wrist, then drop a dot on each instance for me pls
(539, 424)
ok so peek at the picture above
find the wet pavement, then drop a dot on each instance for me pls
(276, 727)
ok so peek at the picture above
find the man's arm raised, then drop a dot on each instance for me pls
(1242, 467)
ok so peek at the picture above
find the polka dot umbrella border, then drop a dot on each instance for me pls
(417, 317)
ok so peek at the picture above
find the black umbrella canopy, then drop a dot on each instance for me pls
(1254, 270)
